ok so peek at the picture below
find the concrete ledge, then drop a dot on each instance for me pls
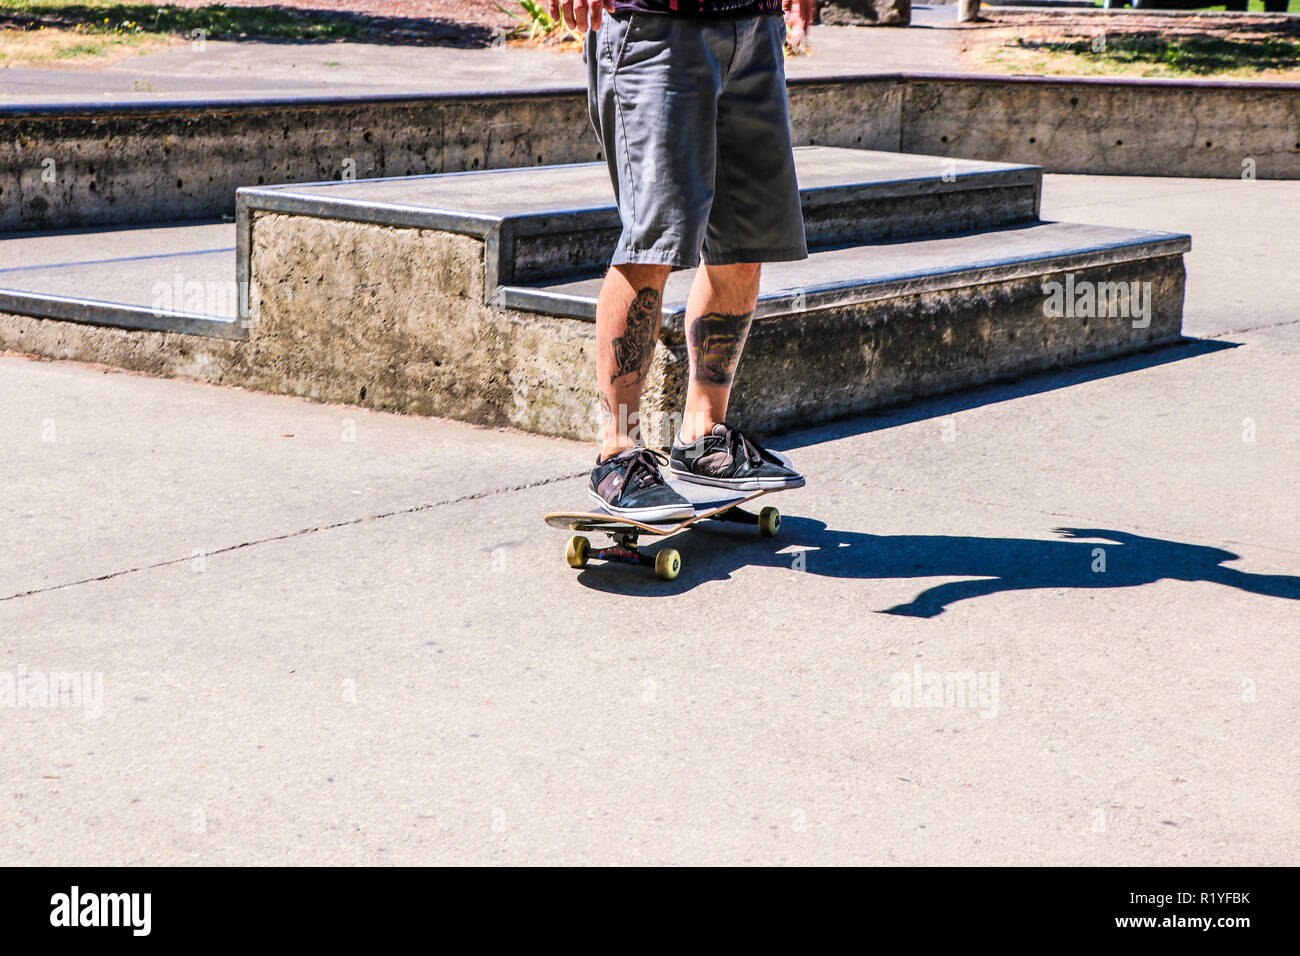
(397, 316)
(866, 13)
(183, 159)
(434, 349)
(849, 360)
(148, 162)
(390, 294)
(536, 228)
(1147, 127)
(94, 312)
(444, 353)
(858, 275)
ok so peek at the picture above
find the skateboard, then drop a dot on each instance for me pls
(667, 562)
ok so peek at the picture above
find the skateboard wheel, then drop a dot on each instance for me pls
(576, 551)
(667, 563)
(769, 522)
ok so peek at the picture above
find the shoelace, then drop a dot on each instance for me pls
(643, 468)
(739, 444)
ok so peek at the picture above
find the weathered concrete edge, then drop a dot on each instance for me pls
(500, 231)
(187, 157)
(94, 312)
(326, 100)
(218, 361)
(835, 295)
(291, 199)
(897, 351)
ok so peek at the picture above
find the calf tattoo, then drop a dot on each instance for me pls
(632, 349)
(717, 339)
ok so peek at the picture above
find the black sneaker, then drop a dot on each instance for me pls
(629, 485)
(728, 459)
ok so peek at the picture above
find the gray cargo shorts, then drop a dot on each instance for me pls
(693, 117)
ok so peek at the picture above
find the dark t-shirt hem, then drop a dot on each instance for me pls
(694, 9)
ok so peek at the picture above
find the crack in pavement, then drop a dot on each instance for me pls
(414, 509)
(1249, 328)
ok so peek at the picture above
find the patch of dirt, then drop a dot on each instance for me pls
(1012, 41)
(459, 23)
(55, 48)
(1189, 23)
(474, 13)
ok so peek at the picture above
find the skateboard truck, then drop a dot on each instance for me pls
(667, 562)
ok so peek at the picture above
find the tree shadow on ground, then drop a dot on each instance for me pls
(261, 23)
(1096, 558)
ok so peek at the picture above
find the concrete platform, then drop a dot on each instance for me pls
(859, 327)
(858, 274)
(177, 276)
(471, 295)
(887, 307)
(542, 222)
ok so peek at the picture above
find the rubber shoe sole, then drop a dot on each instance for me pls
(651, 515)
(739, 484)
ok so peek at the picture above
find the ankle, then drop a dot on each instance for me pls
(694, 427)
(609, 451)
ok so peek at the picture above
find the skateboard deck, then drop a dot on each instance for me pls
(719, 505)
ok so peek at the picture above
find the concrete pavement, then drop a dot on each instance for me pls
(330, 635)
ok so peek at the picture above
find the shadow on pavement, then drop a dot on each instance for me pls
(246, 21)
(1112, 559)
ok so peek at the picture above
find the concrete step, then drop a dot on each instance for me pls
(175, 276)
(457, 296)
(548, 222)
(851, 275)
(856, 327)
(405, 318)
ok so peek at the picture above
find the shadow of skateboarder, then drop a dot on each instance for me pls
(1084, 558)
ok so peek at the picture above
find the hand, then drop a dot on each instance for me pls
(580, 14)
(798, 18)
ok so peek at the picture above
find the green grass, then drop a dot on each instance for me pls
(81, 49)
(217, 22)
(1192, 56)
(1258, 6)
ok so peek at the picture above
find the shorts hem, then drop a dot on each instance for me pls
(649, 257)
(781, 254)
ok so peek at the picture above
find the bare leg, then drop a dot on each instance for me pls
(627, 325)
(718, 315)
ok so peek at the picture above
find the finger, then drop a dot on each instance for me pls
(580, 15)
(597, 13)
(569, 22)
(553, 9)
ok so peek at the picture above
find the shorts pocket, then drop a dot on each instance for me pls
(615, 47)
(646, 35)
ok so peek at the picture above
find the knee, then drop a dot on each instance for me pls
(639, 275)
(739, 278)
(735, 272)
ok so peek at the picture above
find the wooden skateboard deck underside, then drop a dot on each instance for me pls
(604, 521)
